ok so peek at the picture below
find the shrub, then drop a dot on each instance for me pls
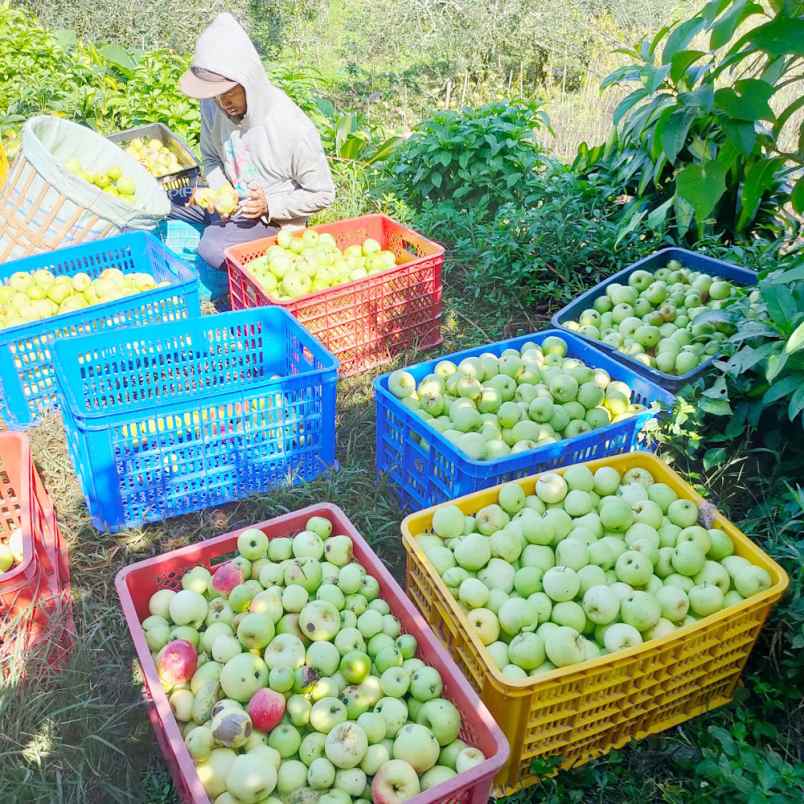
(477, 159)
(542, 254)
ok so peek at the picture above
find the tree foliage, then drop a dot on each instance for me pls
(698, 141)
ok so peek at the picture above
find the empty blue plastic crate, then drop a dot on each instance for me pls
(172, 418)
(424, 475)
(652, 263)
(27, 381)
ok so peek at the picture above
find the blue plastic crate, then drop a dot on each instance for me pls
(172, 418)
(652, 263)
(424, 475)
(27, 381)
(182, 238)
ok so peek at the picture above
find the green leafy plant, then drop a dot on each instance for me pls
(478, 158)
(110, 87)
(698, 143)
(349, 136)
(763, 378)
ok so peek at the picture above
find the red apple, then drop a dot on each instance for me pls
(226, 577)
(176, 663)
(266, 708)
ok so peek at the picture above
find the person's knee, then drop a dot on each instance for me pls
(211, 248)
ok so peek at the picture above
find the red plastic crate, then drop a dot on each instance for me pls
(367, 321)
(35, 599)
(135, 585)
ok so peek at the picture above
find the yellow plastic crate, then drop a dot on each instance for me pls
(585, 711)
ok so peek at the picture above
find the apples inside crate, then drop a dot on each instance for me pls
(587, 708)
(27, 378)
(35, 599)
(137, 583)
(364, 323)
(426, 467)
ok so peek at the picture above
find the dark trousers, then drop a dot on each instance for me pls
(219, 234)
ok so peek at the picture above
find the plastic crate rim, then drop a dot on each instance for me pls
(638, 418)
(84, 417)
(232, 256)
(65, 319)
(490, 766)
(410, 542)
(127, 135)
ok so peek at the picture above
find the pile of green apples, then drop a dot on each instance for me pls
(155, 157)
(657, 317)
(490, 407)
(11, 552)
(591, 564)
(293, 682)
(34, 295)
(111, 181)
(306, 262)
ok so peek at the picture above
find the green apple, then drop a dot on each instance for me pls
(633, 568)
(561, 583)
(705, 599)
(688, 558)
(640, 610)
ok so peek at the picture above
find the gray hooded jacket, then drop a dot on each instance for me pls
(275, 144)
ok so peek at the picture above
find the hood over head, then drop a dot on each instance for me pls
(225, 48)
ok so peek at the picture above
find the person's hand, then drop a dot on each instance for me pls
(255, 205)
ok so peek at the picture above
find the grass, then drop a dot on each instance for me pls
(82, 736)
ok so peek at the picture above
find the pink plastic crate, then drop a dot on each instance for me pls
(136, 583)
(35, 599)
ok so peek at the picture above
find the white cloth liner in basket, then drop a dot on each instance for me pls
(44, 207)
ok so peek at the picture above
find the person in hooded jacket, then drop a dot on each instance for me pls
(254, 137)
